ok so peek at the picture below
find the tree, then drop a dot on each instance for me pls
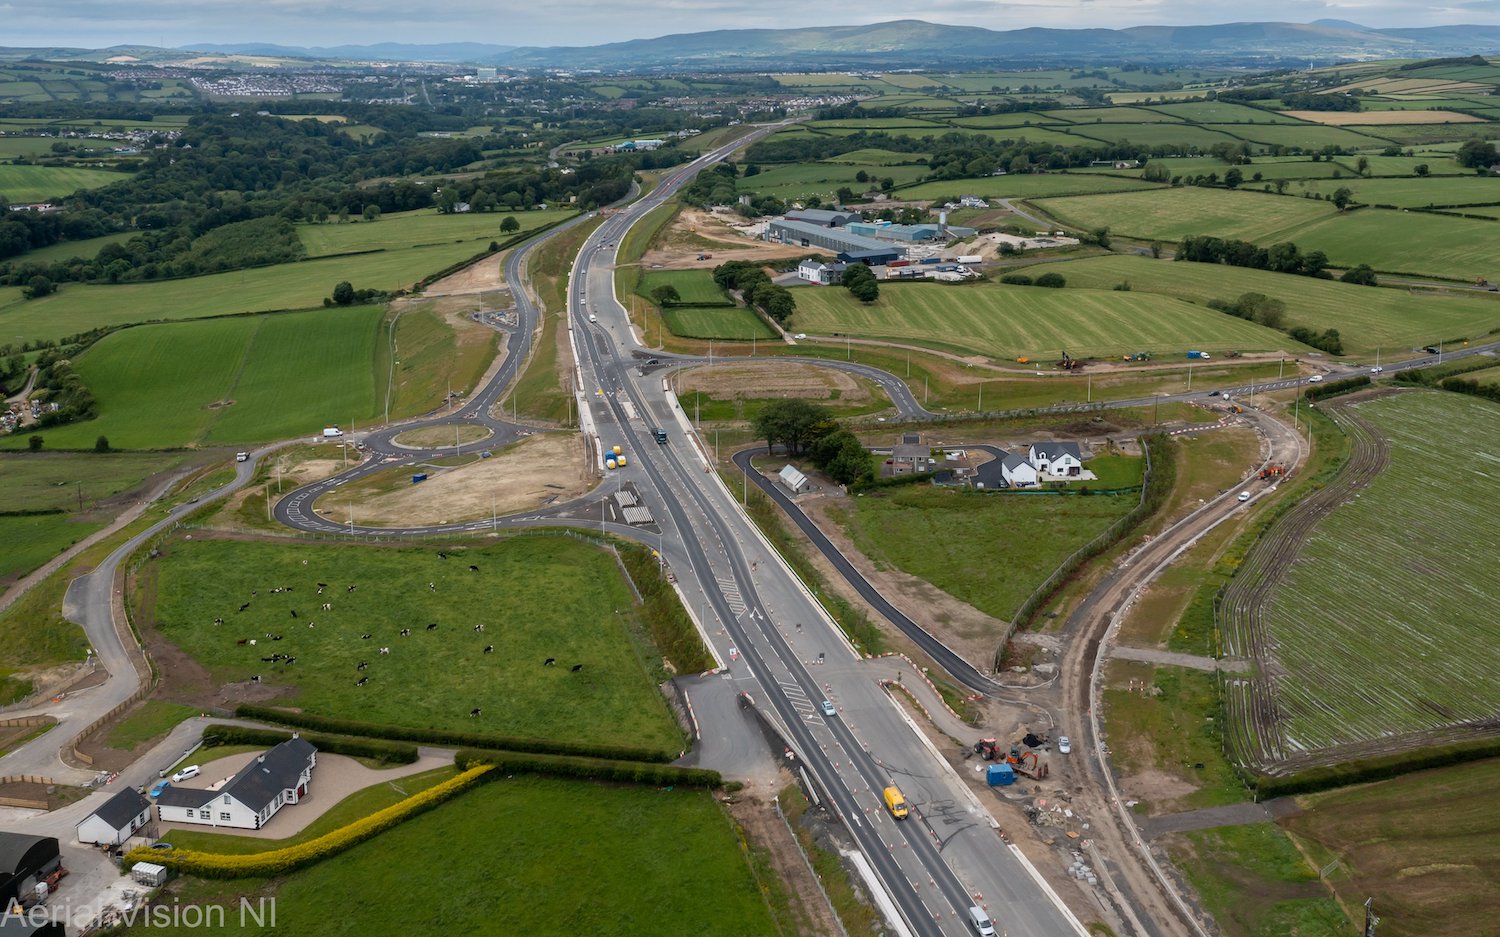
(1233, 178)
(1052, 281)
(861, 177)
(372, 212)
(852, 463)
(665, 295)
(1363, 165)
(1156, 249)
(1280, 186)
(1361, 275)
(845, 195)
(866, 291)
(510, 225)
(34, 444)
(1421, 169)
(1477, 154)
(343, 294)
(39, 286)
(101, 444)
(887, 184)
(1341, 197)
(1100, 236)
(793, 423)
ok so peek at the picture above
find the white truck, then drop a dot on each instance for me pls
(970, 259)
(332, 431)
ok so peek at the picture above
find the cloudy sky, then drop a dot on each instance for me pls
(98, 23)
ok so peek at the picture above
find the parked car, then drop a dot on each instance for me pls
(800, 335)
(162, 846)
(186, 774)
(1064, 745)
(158, 787)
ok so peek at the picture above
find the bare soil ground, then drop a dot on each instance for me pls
(1345, 118)
(536, 471)
(769, 379)
(478, 277)
(696, 232)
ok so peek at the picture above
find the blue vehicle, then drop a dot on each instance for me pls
(158, 787)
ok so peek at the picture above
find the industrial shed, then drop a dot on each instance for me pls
(24, 861)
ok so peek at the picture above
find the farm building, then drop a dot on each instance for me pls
(814, 271)
(873, 258)
(822, 217)
(24, 925)
(908, 232)
(793, 479)
(251, 798)
(116, 820)
(25, 861)
(1056, 458)
(808, 234)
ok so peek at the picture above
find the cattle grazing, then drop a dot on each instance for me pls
(242, 641)
(362, 681)
(268, 660)
(255, 679)
(290, 661)
(489, 648)
(278, 589)
(327, 606)
(351, 588)
(364, 637)
(432, 626)
(385, 650)
(252, 642)
(312, 624)
(245, 606)
(473, 712)
(405, 632)
(294, 612)
(549, 662)
(442, 556)
(362, 665)
(218, 621)
(432, 587)
(275, 637)
(473, 569)
(479, 628)
(577, 667)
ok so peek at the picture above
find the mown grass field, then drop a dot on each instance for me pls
(66, 250)
(738, 324)
(1014, 321)
(1268, 890)
(1172, 213)
(1026, 185)
(76, 308)
(1414, 191)
(405, 230)
(1427, 845)
(695, 287)
(1407, 242)
(286, 375)
(545, 857)
(949, 538)
(538, 597)
(1384, 623)
(28, 542)
(1367, 319)
(39, 183)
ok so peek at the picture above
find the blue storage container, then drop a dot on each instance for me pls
(419, 477)
(1000, 775)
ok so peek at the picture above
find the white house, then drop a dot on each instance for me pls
(1056, 458)
(251, 798)
(814, 271)
(1017, 472)
(116, 820)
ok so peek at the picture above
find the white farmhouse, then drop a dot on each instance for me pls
(116, 820)
(251, 798)
(1056, 458)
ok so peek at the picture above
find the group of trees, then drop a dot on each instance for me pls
(58, 383)
(1477, 154)
(860, 281)
(805, 428)
(756, 288)
(1271, 313)
(1285, 257)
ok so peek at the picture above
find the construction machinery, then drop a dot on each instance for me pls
(1139, 356)
(1026, 763)
(1272, 472)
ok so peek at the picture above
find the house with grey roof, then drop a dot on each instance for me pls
(116, 820)
(1056, 458)
(1017, 471)
(252, 797)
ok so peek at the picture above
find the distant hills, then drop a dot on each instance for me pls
(899, 44)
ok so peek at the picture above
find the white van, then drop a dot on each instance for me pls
(981, 922)
(593, 318)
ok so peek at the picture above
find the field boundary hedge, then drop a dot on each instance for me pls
(1375, 768)
(383, 750)
(596, 769)
(291, 858)
(447, 737)
(1334, 388)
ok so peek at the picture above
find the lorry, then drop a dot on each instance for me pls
(895, 803)
(971, 259)
(1197, 355)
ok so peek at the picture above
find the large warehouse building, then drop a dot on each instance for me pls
(807, 234)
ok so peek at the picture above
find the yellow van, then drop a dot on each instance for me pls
(895, 803)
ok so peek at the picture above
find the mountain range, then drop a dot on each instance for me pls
(916, 43)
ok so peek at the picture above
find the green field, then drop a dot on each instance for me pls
(1406, 242)
(1345, 612)
(1267, 890)
(874, 157)
(67, 250)
(1113, 115)
(738, 324)
(949, 538)
(548, 858)
(424, 227)
(824, 179)
(696, 287)
(28, 542)
(1367, 319)
(1162, 134)
(1172, 213)
(1026, 185)
(1014, 321)
(1222, 112)
(1306, 136)
(1427, 844)
(39, 183)
(1414, 191)
(538, 597)
(239, 380)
